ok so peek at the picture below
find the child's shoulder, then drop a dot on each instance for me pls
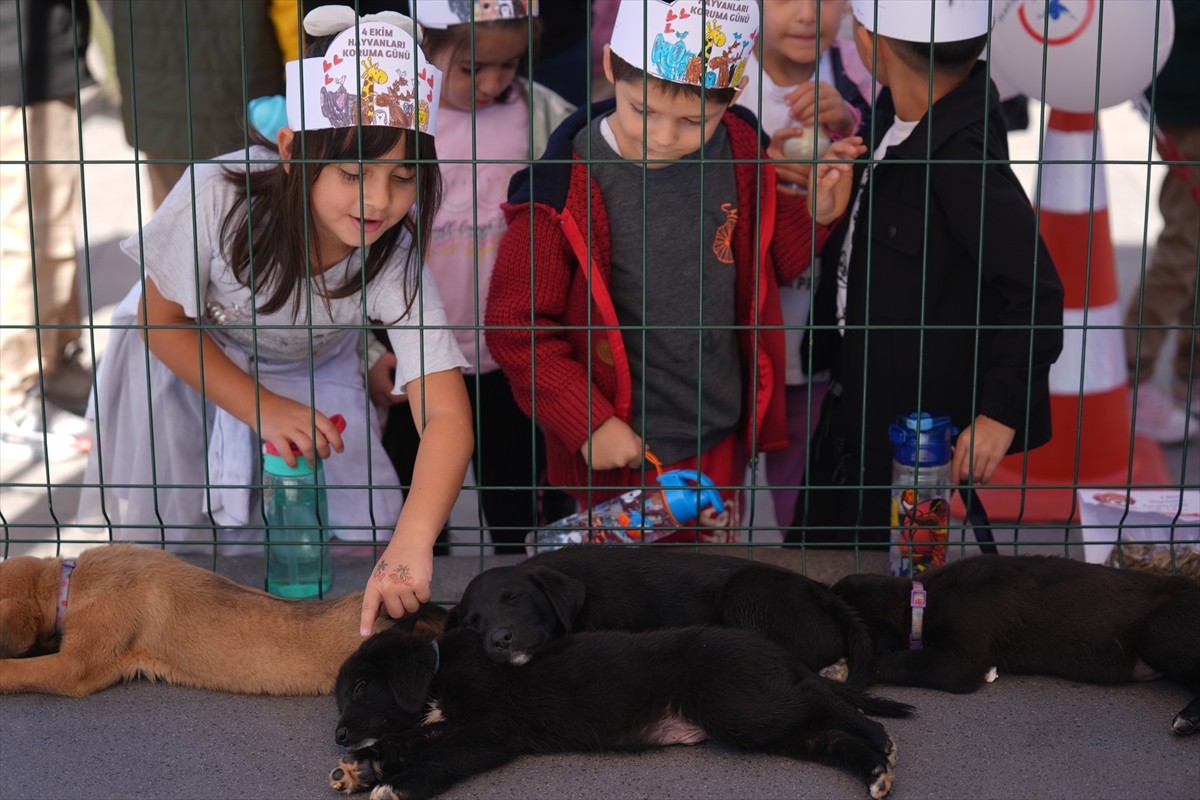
(213, 176)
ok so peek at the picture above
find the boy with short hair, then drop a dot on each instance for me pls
(635, 298)
(946, 298)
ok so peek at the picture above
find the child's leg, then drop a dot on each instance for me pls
(505, 456)
(785, 468)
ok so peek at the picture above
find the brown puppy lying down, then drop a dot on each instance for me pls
(138, 611)
(1033, 615)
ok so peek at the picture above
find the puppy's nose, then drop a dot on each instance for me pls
(501, 639)
(341, 735)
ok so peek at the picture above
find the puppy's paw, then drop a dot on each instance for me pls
(837, 671)
(1183, 725)
(386, 792)
(882, 785)
(351, 775)
(891, 754)
(991, 675)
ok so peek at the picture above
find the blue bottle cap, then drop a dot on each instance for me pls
(922, 438)
(682, 498)
(275, 465)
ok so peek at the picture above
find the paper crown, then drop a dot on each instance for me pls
(695, 42)
(373, 73)
(444, 13)
(919, 20)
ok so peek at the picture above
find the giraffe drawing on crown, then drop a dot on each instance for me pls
(371, 75)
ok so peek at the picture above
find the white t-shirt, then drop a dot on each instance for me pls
(187, 262)
(795, 298)
(896, 134)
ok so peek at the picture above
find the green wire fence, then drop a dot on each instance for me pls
(39, 487)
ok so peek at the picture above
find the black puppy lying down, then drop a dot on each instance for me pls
(518, 609)
(422, 718)
(1034, 615)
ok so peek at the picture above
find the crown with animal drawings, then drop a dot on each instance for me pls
(373, 73)
(444, 13)
(698, 42)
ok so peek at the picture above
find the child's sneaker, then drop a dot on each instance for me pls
(1160, 418)
(26, 435)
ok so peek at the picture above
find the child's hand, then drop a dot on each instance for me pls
(400, 582)
(793, 178)
(380, 382)
(991, 441)
(613, 445)
(807, 106)
(831, 187)
(285, 422)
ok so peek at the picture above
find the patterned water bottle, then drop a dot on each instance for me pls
(921, 487)
(637, 516)
(297, 517)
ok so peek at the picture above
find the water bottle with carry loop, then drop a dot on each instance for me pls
(921, 489)
(297, 523)
(636, 517)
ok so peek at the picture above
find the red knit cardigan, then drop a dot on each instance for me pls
(552, 327)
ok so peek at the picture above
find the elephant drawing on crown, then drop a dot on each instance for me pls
(671, 60)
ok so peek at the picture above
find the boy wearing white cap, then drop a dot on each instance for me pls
(675, 223)
(941, 258)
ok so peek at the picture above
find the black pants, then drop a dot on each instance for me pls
(509, 453)
(837, 505)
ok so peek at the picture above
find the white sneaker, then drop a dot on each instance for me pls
(1160, 418)
(28, 435)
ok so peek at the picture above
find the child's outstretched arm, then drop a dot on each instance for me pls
(279, 420)
(402, 576)
(831, 186)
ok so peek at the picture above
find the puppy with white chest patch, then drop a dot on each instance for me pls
(1032, 615)
(423, 717)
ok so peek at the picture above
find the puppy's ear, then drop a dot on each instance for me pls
(410, 674)
(566, 594)
(453, 620)
(430, 621)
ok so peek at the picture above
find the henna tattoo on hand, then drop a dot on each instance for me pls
(380, 570)
(401, 574)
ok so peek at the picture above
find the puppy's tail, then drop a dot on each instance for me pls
(868, 703)
(859, 647)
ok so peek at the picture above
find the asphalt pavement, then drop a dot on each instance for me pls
(1020, 737)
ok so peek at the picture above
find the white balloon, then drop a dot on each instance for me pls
(1067, 35)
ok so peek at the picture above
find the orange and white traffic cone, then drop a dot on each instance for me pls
(1092, 443)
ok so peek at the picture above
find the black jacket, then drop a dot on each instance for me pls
(44, 52)
(962, 301)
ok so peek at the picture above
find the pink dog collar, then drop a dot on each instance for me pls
(917, 601)
(64, 585)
